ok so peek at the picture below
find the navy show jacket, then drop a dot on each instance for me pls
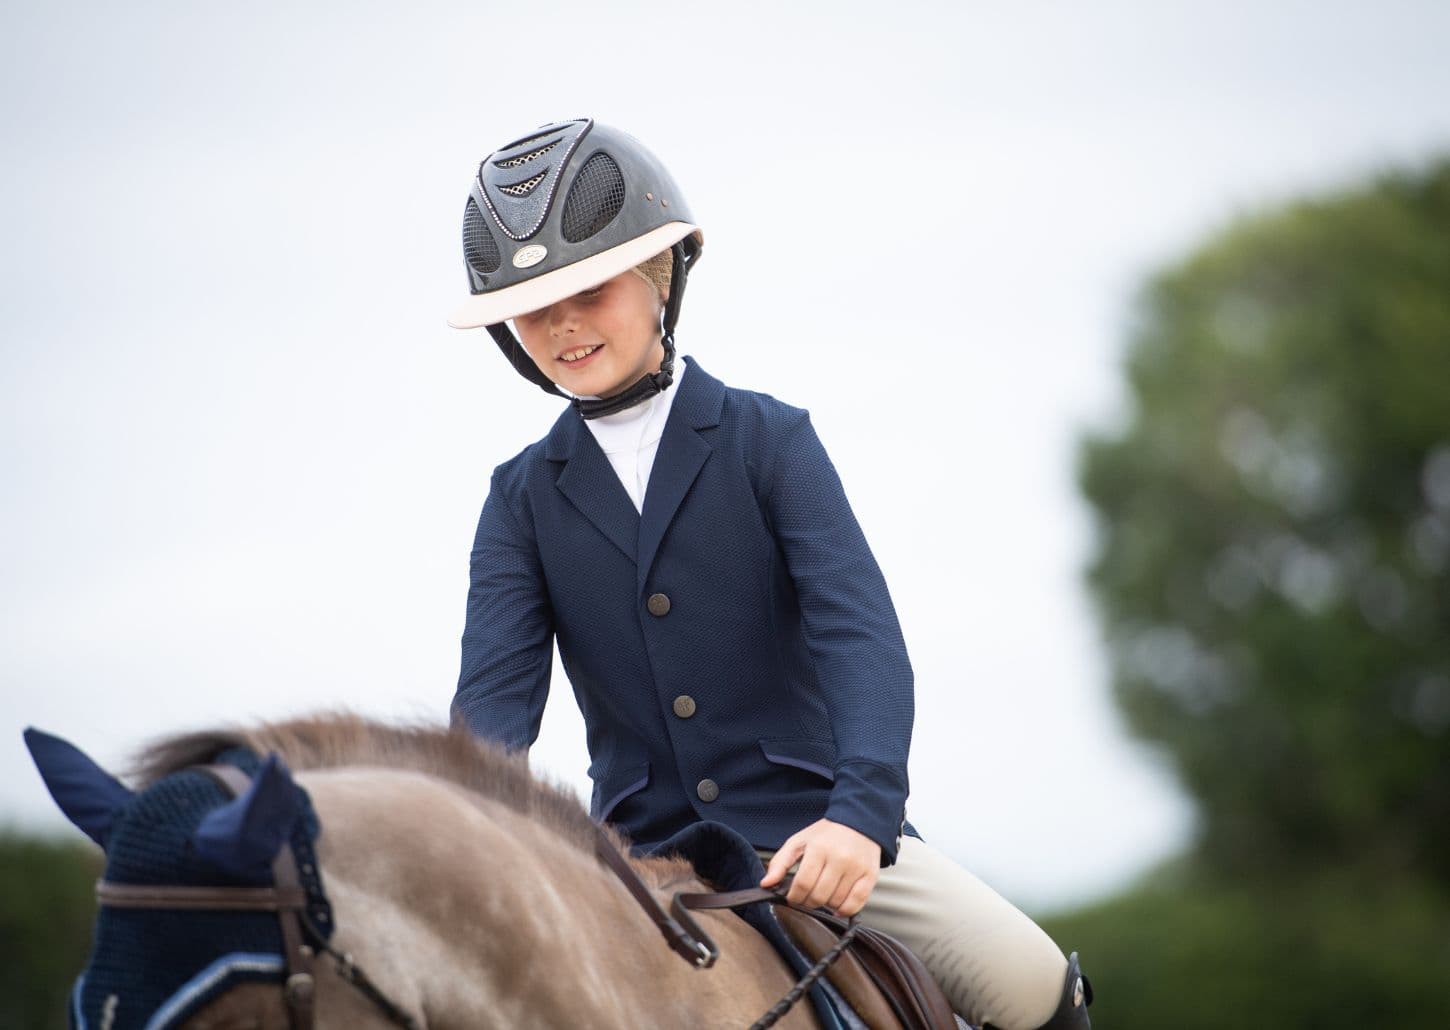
(733, 648)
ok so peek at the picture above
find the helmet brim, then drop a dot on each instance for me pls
(551, 287)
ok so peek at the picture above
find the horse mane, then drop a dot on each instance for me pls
(329, 740)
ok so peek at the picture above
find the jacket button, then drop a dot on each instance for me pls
(684, 706)
(708, 790)
(658, 604)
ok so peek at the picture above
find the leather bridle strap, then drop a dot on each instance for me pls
(300, 988)
(216, 899)
(688, 941)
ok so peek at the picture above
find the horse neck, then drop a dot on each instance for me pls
(475, 914)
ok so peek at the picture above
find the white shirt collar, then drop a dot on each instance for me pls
(641, 425)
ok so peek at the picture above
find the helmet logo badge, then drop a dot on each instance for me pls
(529, 256)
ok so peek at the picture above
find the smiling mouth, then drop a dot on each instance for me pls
(580, 354)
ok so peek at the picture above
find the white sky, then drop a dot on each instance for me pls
(243, 455)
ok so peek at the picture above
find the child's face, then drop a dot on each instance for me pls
(599, 341)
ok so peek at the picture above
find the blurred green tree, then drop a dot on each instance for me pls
(1273, 566)
(1331, 949)
(47, 906)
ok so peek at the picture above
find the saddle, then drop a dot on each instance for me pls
(884, 982)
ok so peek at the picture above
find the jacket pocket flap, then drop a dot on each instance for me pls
(621, 783)
(817, 756)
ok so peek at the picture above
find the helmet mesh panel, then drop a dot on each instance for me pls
(523, 159)
(544, 130)
(479, 246)
(523, 189)
(594, 199)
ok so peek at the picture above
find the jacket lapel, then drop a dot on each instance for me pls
(590, 483)
(682, 453)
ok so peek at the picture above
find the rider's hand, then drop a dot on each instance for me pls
(838, 867)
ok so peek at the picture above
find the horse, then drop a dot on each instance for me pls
(456, 889)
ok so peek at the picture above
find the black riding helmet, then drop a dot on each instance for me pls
(524, 248)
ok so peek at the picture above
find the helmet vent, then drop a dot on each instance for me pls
(523, 189)
(532, 155)
(518, 203)
(594, 199)
(479, 247)
(544, 130)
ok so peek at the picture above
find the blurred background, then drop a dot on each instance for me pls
(1127, 326)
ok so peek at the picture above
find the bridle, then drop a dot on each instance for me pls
(301, 939)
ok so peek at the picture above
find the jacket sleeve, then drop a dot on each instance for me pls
(853, 635)
(508, 633)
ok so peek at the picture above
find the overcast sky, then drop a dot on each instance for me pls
(244, 455)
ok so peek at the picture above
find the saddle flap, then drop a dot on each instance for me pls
(902, 982)
(847, 974)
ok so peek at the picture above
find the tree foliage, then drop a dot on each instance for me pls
(1273, 565)
(1329, 949)
(47, 905)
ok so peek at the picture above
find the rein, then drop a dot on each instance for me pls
(288, 898)
(693, 944)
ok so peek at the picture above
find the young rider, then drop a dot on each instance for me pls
(725, 628)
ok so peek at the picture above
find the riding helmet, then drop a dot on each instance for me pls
(563, 209)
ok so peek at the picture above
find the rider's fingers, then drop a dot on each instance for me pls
(826, 886)
(856, 899)
(780, 863)
(842, 892)
(805, 877)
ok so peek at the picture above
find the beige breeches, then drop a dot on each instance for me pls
(994, 964)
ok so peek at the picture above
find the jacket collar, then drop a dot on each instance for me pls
(698, 405)
(591, 485)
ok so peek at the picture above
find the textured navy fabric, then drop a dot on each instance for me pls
(147, 960)
(244, 835)
(779, 625)
(87, 794)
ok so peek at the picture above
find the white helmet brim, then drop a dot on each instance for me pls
(551, 287)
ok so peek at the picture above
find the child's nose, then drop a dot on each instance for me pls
(563, 318)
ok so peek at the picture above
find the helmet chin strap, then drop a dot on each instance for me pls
(648, 385)
(520, 360)
(651, 383)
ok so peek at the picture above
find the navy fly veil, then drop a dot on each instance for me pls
(154, 967)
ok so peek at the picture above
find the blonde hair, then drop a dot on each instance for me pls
(658, 271)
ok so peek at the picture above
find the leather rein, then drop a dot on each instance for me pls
(693, 944)
(289, 900)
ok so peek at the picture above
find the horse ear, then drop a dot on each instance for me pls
(244, 835)
(86, 793)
